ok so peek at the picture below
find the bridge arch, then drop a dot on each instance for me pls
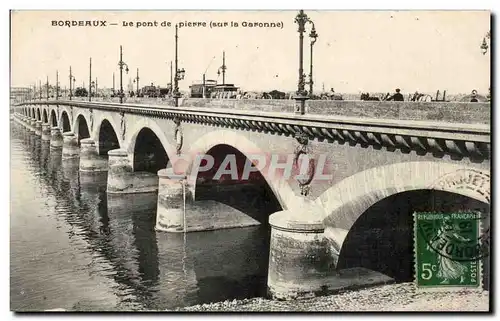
(66, 126)
(369, 215)
(107, 137)
(149, 153)
(81, 128)
(151, 125)
(53, 118)
(33, 112)
(44, 116)
(280, 187)
(38, 116)
(348, 199)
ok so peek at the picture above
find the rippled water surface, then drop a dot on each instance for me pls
(77, 248)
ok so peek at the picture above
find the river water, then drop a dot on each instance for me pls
(74, 247)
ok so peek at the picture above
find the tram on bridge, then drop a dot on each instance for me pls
(210, 89)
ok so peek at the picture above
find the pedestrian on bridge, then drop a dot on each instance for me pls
(397, 96)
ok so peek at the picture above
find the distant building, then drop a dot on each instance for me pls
(18, 94)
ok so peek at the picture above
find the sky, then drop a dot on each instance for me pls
(356, 51)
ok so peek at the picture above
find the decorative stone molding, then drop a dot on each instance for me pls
(178, 136)
(123, 125)
(304, 149)
(91, 119)
(438, 138)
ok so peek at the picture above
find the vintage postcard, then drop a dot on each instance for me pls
(294, 160)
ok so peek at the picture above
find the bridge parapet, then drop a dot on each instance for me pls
(454, 112)
(439, 137)
(457, 112)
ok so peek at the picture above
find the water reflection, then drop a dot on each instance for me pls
(131, 221)
(113, 237)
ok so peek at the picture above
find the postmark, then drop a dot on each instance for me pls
(449, 248)
(471, 182)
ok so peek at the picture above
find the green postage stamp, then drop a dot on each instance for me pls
(449, 248)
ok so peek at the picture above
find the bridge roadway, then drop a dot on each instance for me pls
(374, 151)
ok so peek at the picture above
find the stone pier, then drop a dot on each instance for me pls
(56, 139)
(38, 128)
(178, 211)
(31, 125)
(172, 191)
(70, 146)
(299, 258)
(90, 160)
(122, 178)
(303, 260)
(46, 132)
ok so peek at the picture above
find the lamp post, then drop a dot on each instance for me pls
(179, 73)
(72, 81)
(204, 89)
(40, 86)
(121, 63)
(113, 84)
(484, 46)
(48, 88)
(314, 36)
(300, 98)
(90, 80)
(93, 85)
(136, 80)
(57, 85)
(223, 68)
(484, 49)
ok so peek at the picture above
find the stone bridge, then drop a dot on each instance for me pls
(372, 164)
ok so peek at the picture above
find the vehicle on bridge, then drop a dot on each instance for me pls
(224, 91)
(197, 88)
(153, 91)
